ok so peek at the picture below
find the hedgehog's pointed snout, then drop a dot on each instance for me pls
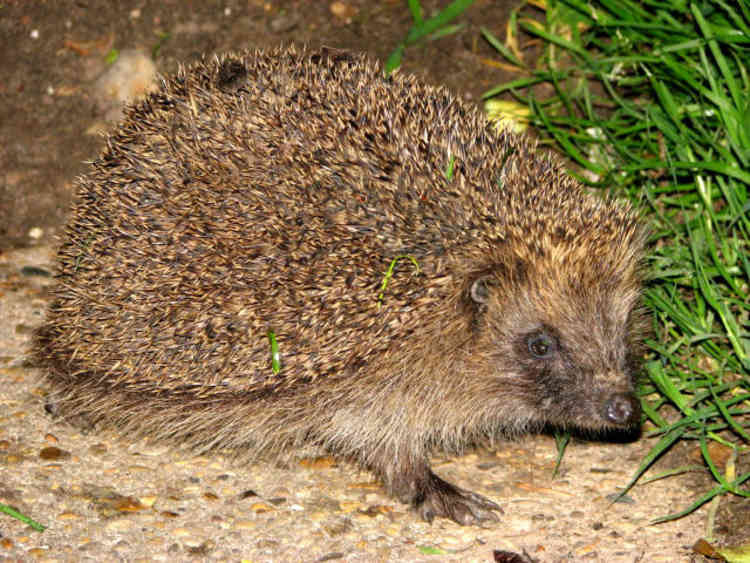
(622, 409)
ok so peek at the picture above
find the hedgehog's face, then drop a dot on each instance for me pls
(563, 349)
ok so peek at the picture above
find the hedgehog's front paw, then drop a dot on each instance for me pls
(440, 498)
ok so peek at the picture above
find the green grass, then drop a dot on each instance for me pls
(651, 99)
(17, 515)
(389, 274)
(427, 29)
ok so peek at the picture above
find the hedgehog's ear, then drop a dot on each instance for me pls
(480, 291)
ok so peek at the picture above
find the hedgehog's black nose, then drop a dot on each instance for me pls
(622, 409)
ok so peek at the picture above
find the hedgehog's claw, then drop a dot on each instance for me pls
(440, 498)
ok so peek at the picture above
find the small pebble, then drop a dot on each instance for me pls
(98, 449)
(129, 504)
(332, 556)
(6, 543)
(283, 22)
(367, 486)
(318, 462)
(628, 528)
(349, 506)
(121, 547)
(35, 271)
(36, 233)
(68, 516)
(53, 453)
(12, 459)
(261, 507)
(342, 10)
(131, 76)
(394, 530)
(202, 549)
(519, 525)
(150, 450)
(139, 469)
(120, 525)
(317, 516)
(377, 510)
(361, 517)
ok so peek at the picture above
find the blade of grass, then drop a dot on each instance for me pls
(659, 448)
(535, 29)
(702, 500)
(422, 28)
(426, 27)
(562, 139)
(415, 7)
(18, 516)
(502, 49)
(728, 76)
(733, 424)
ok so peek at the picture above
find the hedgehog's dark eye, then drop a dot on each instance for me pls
(541, 345)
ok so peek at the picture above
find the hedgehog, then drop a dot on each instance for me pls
(287, 249)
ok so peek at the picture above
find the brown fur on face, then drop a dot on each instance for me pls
(270, 191)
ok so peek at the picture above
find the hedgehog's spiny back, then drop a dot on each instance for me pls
(270, 191)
